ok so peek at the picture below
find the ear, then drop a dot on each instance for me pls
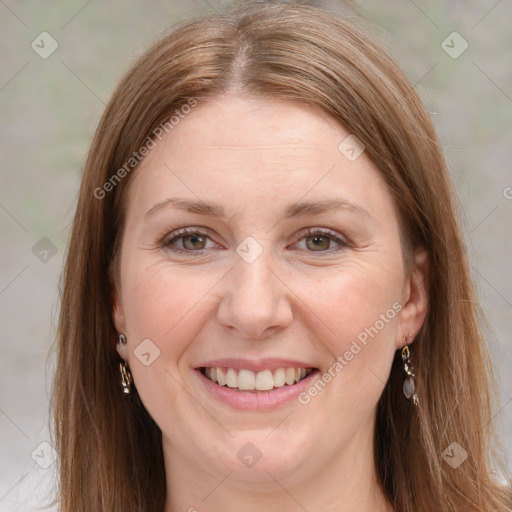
(118, 318)
(414, 299)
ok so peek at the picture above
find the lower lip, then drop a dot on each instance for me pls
(259, 400)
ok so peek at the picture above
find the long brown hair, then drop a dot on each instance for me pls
(110, 449)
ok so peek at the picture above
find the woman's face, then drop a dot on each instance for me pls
(250, 291)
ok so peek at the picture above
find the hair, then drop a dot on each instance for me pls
(110, 449)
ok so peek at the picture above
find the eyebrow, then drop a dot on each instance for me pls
(293, 210)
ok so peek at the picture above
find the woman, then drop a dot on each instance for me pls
(265, 239)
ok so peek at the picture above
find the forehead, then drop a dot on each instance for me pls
(253, 153)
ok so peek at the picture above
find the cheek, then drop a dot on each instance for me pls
(161, 308)
(160, 302)
(358, 315)
(359, 310)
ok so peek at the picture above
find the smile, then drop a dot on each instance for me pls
(247, 380)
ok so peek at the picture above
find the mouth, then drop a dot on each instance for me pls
(267, 380)
(255, 384)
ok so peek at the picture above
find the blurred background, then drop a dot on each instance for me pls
(59, 63)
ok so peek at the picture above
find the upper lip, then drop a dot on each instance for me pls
(255, 366)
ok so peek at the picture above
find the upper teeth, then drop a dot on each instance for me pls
(259, 381)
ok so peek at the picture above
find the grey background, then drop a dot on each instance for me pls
(49, 109)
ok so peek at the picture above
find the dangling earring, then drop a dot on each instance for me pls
(409, 388)
(126, 377)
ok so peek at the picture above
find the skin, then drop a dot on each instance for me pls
(255, 157)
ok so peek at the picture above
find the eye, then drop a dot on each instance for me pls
(320, 239)
(192, 240)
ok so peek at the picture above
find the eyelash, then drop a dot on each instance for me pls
(181, 233)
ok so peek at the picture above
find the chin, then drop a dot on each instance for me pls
(252, 455)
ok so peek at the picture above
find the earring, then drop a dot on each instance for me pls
(126, 378)
(122, 341)
(409, 388)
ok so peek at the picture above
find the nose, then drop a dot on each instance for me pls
(255, 298)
